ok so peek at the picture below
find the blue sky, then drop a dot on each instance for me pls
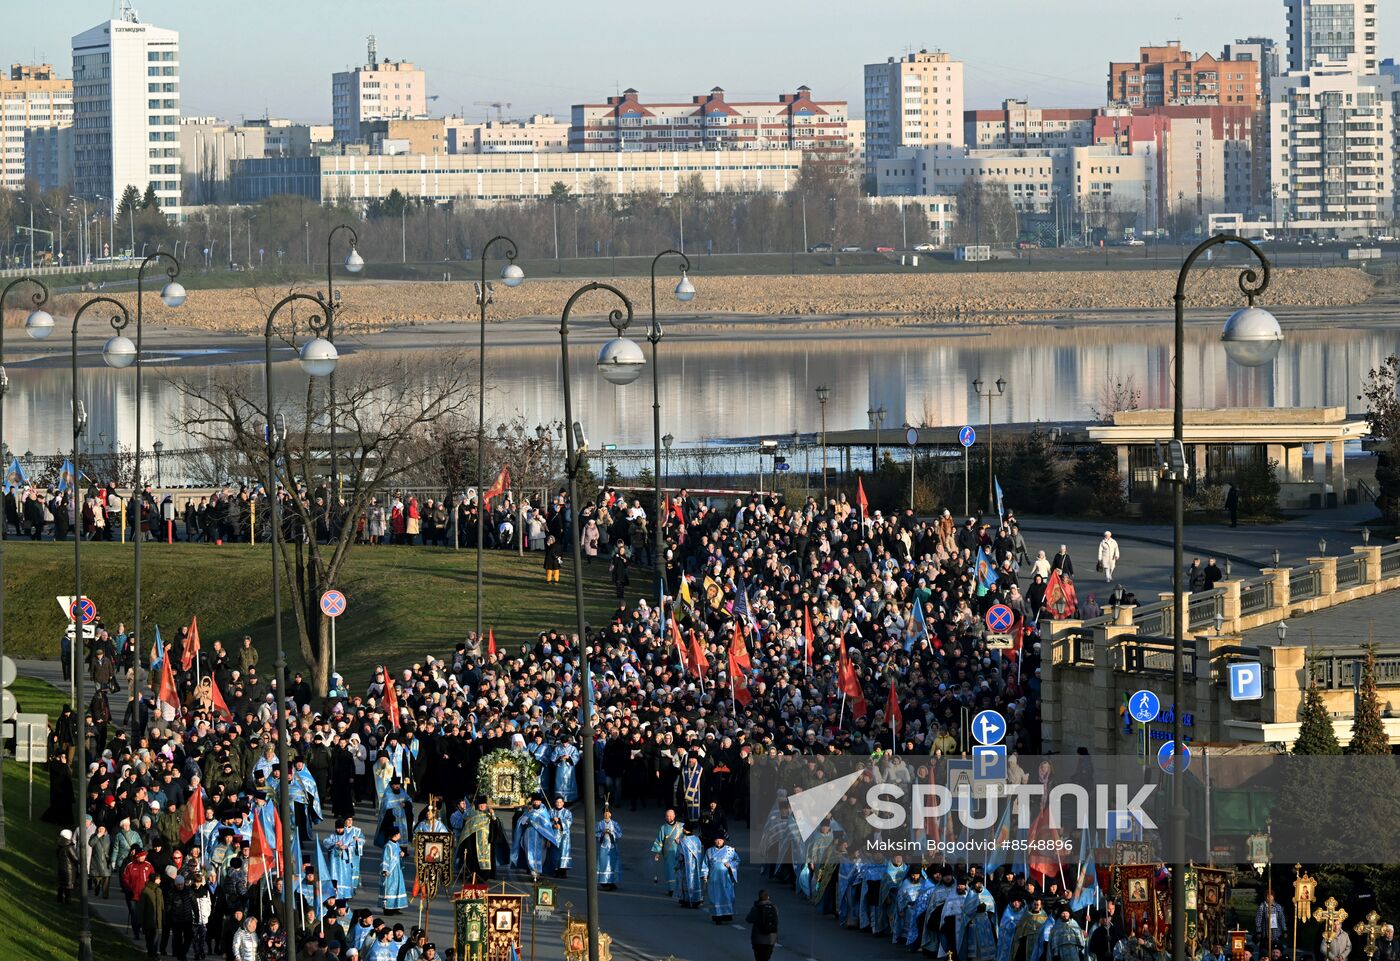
(542, 55)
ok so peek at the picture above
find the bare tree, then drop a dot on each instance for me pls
(383, 408)
(1115, 395)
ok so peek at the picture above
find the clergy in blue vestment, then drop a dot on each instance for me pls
(690, 886)
(1006, 931)
(395, 811)
(906, 897)
(534, 836)
(564, 757)
(720, 871)
(343, 849)
(608, 833)
(977, 926)
(391, 885)
(663, 849)
(559, 859)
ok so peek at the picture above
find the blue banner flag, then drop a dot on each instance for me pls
(159, 657)
(67, 478)
(996, 486)
(986, 570)
(918, 625)
(15, 477)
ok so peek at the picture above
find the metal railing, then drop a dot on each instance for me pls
(1304, 583)
(1256, 596)
(1153, 618)
(1155, 657)
(1339, 668)
(1351, 571)
(1203, 608)
(1390, 560)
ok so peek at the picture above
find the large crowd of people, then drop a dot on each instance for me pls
(788, 630)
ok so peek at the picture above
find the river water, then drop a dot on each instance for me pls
(722, 388)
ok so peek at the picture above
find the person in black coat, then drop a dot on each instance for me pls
(618, 570)
(1063, 562)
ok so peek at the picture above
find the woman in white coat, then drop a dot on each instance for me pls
(1108, 555)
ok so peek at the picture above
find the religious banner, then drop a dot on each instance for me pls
(508, 778)
(1135, 885)
(432, 862)
(544, 901)
(469, 915)
(503, 913)
(1132, 852)
(1212, 898)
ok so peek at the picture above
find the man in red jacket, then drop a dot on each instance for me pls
(137, 873)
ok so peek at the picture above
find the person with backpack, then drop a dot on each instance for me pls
(763, 923)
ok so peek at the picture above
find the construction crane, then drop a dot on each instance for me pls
(498, 104)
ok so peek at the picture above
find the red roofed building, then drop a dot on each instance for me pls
(1167, 75)
(1017, 125)
(794, 121)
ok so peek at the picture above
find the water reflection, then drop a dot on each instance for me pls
(746, 385)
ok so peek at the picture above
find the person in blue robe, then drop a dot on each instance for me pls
(977, 927)
(564, 757)
(906, 897)
(663, 849)
(391, 885)
(559, 859)
(396, 812)
(534, 836)
(893, 877)
(1006, 931)
(720, 872)
(343, 848)
(608, 833)
(690, 887)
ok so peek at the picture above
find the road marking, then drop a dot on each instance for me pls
(737, 927)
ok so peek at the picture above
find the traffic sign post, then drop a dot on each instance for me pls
(1166, 757)
(989, 762)
(999, 619)
(989, 727)
(333, 605)
(82, 610)
(1246, 681)
(967, 437)
(1144, 706)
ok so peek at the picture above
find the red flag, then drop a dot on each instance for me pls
(217, 699)
(266, 853)
(677, 640)
(1059, 596)
(807, 635)
(702, 662)
(1044, 841)
(491, 641)
(391, 700)
(191, 816)
(191, 646)
(738, 651)
(168, 692)
(861, 502)
(680, 517)
(849, 683)
(739, 680)
(500, 487)
(894, 717)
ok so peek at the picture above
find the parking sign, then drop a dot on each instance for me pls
(1246, 681)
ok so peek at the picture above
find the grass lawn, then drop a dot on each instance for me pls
(404, 602)
(33, 926)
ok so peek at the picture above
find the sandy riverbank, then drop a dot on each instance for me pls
(860, 300)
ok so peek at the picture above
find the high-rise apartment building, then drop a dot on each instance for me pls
(1333, 33)
(380, 90)
(794, 121)
(1167, 75)
(1019, 125)
(912, 101)
(32, 97)
(1266, 53)
(126, 111)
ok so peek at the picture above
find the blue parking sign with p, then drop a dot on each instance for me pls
(989, 762)
(1246, 681)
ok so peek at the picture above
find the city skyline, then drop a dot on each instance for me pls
(663, 61)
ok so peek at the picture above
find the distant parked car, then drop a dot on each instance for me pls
(925, 248)
(822, 248)
(1135, 242)
(851, 249)
(884, 249)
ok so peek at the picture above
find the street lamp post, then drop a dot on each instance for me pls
(993, 391)
(666, 441)
(511, 276)
(121, 352)
(158, 447)
(1252, 338)
(685, 292)
(39, 325)
(823, 393)
(354, 263)
(318, 358)
(877, 417)
(39, 298)
(620, 362)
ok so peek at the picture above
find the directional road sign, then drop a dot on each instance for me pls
(83, 609)
(1165, 758)
(1144, 707)
(332, 603)
(782, 466)
(989, 762)
(911, 437)
(967, 437)
(1246, 681)
(989, 727)
(999, 618)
